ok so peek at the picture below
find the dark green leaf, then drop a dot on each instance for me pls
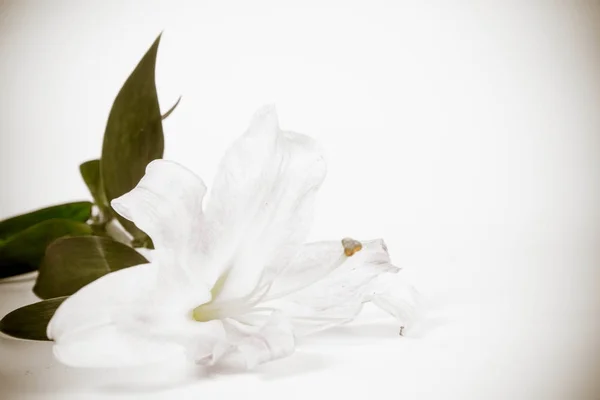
(24, 251)
(134, 134)
(171, 109)
(30, 322)
(72, 263)
(90, 172)
(80, 212)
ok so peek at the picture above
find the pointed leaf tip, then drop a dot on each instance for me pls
(31, 321)
(171, 109)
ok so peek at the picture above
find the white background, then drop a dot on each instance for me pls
(465, 133)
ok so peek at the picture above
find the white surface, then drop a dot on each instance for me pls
(464, 133)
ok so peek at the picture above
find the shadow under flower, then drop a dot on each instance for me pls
(299, 363)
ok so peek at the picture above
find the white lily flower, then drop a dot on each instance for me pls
(232, 282)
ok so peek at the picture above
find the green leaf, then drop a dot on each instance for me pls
(134, 134)
(30, 322)
(79, 211)
(90, 172)
(24, 251)
(72, 263)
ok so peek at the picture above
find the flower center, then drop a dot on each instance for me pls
(217, 309)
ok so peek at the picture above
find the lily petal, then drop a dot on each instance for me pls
(260, 208)
(313, 262)
(109, 346)
(250, 345)
(322, 287)
(396, 296)
(116, 321)
(167, 205)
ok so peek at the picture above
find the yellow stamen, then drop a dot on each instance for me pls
(351, 246)
(205, 313)
(218, 286)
